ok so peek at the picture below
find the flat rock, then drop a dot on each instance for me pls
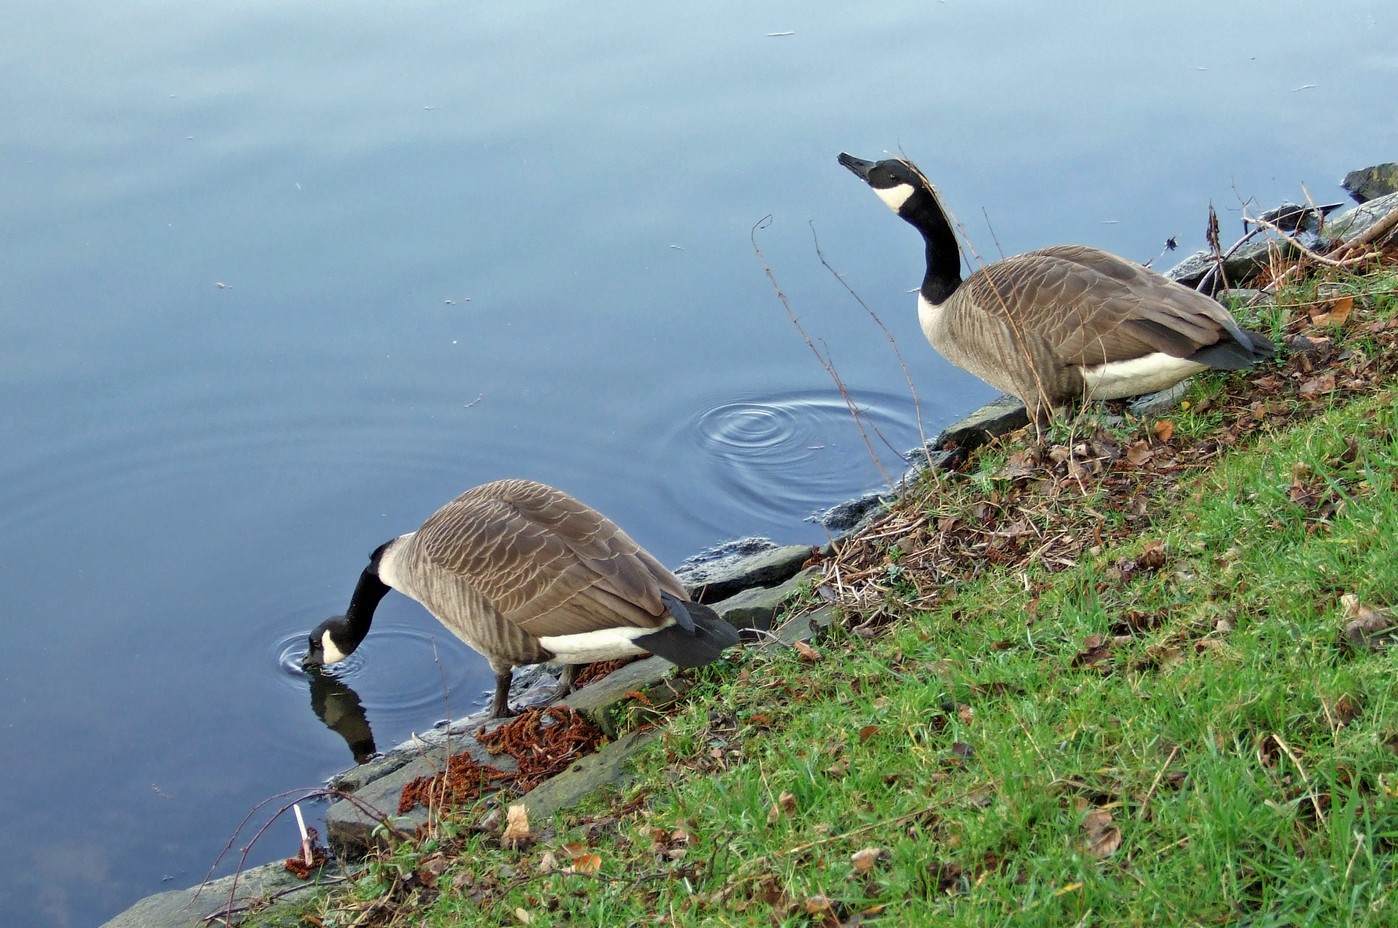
(608, 767)
(1242, 264)
(756, 608)
(1373, 182)
(713, 581)
(998, 417)
(1355, 222)
(179, 908)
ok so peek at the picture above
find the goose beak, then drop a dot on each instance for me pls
(859, 166)
(314, 658)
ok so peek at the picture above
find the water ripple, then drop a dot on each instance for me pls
(777, 458)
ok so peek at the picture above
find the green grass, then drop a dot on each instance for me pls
(1187, 741)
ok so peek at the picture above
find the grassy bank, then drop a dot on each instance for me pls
(1134, 673)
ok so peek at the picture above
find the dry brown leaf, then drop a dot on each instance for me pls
(785, 805)
(1103, 838)
(584, 863)
(807, 652)
(867, 732)
(1317, 386)
(574, 849)
(1164, 429)
(548, 863)
(819, 905)
(1138, 453)
(517, 833)
(1368, 628)
(523, 916)
(1339, 311)
(863, 861)
(1095, 649)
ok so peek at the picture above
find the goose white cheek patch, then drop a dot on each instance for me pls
(894, 197)
(333, 655)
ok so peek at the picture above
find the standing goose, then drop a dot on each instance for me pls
(524, 574)
(1062, 323)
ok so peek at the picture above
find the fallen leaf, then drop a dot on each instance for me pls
(584, 863)
(517, 833)
(807, 652)
(819, 905)
(1103, 838)
(1152, 556)
(1164, 429)
(864, 860)
(1369, 629)
(867, 732)
(785, 804)
(1095, 649)
(1317, 386)
(548, 863)
(523, 916)
(1339, 311)
(1138, 453)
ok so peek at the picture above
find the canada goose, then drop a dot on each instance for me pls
(1062, 323)
(525, 574)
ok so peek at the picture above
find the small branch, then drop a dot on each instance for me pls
(917, 405)
(1310, 790)
(305, 835)
(1370, 235)
(763, 223)
(1141, 812)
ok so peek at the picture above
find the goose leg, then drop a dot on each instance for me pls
(566, 682)
(500, 708)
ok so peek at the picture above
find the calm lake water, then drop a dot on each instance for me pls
(278, 281)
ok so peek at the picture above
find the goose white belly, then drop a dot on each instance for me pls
(1117, 379)
(604, 644)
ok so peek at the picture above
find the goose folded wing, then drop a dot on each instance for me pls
(1091, 307)
(546, 563)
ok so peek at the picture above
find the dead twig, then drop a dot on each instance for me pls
(912, 390)
(763, 223)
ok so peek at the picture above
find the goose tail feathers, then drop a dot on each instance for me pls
(1233, 354)
(696, 637)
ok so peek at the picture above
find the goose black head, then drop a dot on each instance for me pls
(336, 638)
(896, 182)
(330, 642)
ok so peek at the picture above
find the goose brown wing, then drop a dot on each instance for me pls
(1091, 307)
(547, 563)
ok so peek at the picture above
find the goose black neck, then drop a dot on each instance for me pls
(367, 593)
(943, 275)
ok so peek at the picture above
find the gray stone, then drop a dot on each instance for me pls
(180, 908)
(757, 607)
(597, 700)
(998, 417)
(803, 627)
(607, 767)
(1355, 222)
(1241, 264)
(844, 517)
(710, 582)
(1371, 183)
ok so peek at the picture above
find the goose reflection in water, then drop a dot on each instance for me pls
(337, 705)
